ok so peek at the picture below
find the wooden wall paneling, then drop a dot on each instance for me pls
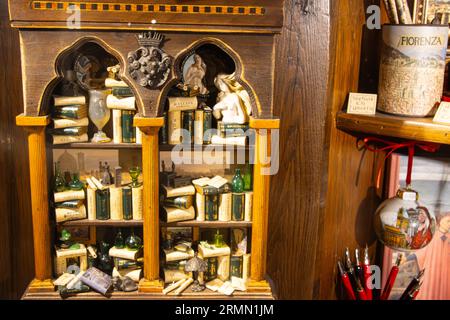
(351, 194)
(300, 101)
(16, 244)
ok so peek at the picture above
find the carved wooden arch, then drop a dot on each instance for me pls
(177, 73)
(44, 99)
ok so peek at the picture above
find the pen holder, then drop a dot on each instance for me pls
(412, 69)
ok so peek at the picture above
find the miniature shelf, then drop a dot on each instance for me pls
(103, 223)
(187, 295)
(169, 147)
(88, 145)
(162, 147)
(209, 224)
(420, 129)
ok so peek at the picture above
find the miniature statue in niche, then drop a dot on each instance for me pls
(233, 102)
(195, 73)
(149, 65)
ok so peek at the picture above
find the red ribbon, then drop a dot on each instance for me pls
(391, 147)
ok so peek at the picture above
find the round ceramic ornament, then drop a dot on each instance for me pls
(403, 224)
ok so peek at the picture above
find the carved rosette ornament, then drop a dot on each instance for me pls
(149, 65)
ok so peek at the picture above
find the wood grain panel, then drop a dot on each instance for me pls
(300, 101)
(16, 245)
(351, 197)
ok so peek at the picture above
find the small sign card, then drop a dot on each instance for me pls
(362, 103)
(443, 113)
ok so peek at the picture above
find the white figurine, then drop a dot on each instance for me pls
(195, 75)
(233, 102)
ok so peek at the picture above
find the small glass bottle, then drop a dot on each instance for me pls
(119, 242)
(248, 178)
(105, 262)
(133, 242)
(76, 184)
(237, 184)
(218, 240)
(59, 184)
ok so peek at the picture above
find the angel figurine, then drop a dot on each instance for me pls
(233, 102)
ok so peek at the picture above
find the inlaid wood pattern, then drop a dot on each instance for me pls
(147, 7)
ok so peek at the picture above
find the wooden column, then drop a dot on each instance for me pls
(150, 170)
(261, 187)
(39, 201)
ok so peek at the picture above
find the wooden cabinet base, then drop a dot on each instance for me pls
(149, 290)
(44, 286)
(258, 286)
(155, 286)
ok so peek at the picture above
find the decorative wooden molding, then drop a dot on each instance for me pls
(25, 121)
(38, 286)
(154, 286)
(262, 286)
(261, 190)
(143, 122)
(150, 206)
(148, 8)
(264, 123)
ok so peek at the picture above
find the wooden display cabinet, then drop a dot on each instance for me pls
(50, 34)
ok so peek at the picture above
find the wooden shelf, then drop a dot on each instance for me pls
(187, 295)
(103, 223)
(162, 147)
(168, 147)
(420, 129)
(209, 224)
(88, 145)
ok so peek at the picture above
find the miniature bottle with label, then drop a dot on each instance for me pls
(237, 184)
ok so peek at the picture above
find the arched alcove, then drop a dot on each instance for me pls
(219, 58)
(87, 47)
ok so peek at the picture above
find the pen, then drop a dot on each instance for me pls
(354, 276)
(367, 274)
(359, 288)
(359, 266)
(391, 279)
(346, 282)
(415, 284)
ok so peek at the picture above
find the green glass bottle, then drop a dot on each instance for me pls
(76, 184)
(119, 242)
(237, 184)
(133, 242)
(248, 178)
(59, 184)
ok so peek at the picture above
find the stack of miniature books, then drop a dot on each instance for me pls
(177, 251)
(70, 121)
(230, 134)
(178, 204)
(123, 105)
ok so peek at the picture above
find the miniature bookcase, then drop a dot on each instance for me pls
(150, 151)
